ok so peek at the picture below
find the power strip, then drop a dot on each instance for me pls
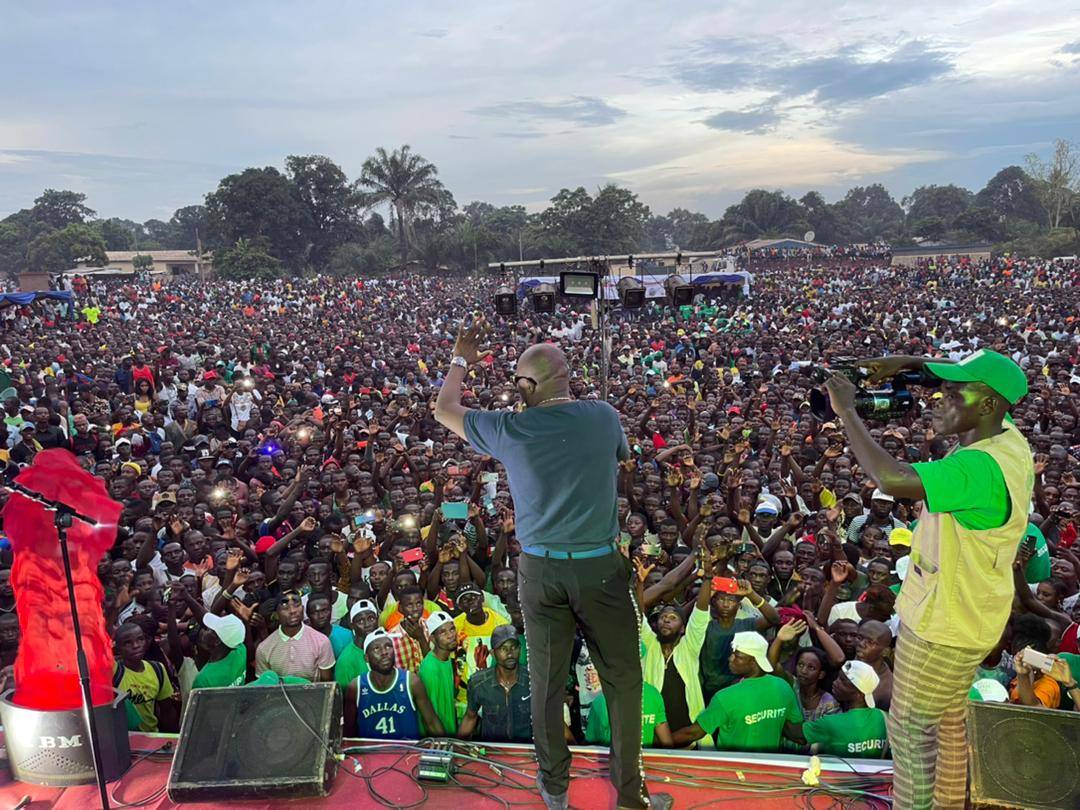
(435, 766)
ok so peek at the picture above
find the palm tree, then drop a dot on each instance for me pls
(406, 182)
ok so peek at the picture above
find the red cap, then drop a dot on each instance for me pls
(210, 375)
(788, 614)
(264, 543)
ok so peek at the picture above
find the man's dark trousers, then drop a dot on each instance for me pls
(595, 593)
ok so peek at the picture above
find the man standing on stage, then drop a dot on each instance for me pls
(561, 456)
(958, 593)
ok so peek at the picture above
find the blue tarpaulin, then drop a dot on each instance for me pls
(21, 299)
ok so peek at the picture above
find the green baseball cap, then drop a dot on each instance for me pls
(990, 368)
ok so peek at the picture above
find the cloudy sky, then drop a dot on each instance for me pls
(144, 107)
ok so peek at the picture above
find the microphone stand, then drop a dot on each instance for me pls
(63, 515)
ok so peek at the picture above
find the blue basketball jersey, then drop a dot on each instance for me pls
(390, 714)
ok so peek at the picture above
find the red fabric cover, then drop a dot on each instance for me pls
(46, 673)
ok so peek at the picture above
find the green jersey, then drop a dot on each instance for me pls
(1038, 567)
(598, 730)
(854, 733)
(438, 679)
(750, 715)
(351, 664)
(229, 671)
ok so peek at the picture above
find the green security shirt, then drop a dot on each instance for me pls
(598, 730)
(969, 485)
(229, 671)
(750, 715)
(438, 679)
(1038, 567)
(351, 664)
(854, 733)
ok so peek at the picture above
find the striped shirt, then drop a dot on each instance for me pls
(854, 530)
(301, 655)
(408, 654)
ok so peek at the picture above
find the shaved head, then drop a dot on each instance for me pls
(545, 364)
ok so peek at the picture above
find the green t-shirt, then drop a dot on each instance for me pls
(968, 484)
(598, 730)
(229, 671)
(750, 715)
(271, 678)
(854, 733)
(351, 664)
(438, 679)
(1038, 567)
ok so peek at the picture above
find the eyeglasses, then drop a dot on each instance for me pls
(527, 379)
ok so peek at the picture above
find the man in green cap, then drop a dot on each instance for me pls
(958, 592)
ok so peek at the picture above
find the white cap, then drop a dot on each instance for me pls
(902, 566)
(863, 678)
(882, 496)
(987, 689)
(374, 636)
(359, 606)
(437, 620)
(230, 629)
(753, 644)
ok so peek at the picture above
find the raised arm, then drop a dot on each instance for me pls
(449, 412)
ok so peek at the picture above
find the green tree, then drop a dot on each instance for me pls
(869, 214)
(929, 228)
(1011, 194)
(407, 183)
(1057, 180)
(142, 262)
(154, 234)
(980, 222)
(931, 204)
(260, 204)
(13, 246)
(57, 251)
(618, 221)
(188, 228)
(763, 214)
(332, 204)
(355, 259)
(823, 218)
(115, 233)
(58, 209)
(247, 260)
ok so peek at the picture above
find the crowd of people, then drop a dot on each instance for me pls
(293, 511)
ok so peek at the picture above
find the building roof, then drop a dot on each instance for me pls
(156, 255)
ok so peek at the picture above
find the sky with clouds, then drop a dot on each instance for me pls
(144, 107)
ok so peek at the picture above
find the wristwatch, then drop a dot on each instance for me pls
(458, 360)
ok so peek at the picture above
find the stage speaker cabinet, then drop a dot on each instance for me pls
(247, 742)
(1023, 756)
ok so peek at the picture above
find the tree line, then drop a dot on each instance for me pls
(311, 218)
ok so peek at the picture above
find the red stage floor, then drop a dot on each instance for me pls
(696, 780)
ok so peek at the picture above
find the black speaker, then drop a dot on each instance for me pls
(1023, 756)
(249, 742)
